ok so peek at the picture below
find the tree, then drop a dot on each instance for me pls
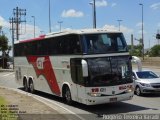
(3, 43)
(137, 50)
(155, 51)
(3, 48)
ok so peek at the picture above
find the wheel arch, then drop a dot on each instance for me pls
(64, 88)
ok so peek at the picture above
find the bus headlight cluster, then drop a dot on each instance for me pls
(129, 90)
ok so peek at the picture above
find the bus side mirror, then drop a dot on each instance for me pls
(134, 78)
(84, 68)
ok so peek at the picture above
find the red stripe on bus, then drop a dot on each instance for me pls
(34, 39)
(47, 71)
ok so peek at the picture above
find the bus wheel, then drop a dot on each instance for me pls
(31, 86)
(25, 86)
(68, 97)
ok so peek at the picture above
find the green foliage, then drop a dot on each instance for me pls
(155, 51)
(3, 43)
(4, 48)
(137, 50)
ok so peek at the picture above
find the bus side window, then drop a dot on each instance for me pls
(74, 45)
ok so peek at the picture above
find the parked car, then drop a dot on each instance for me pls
(146, 81)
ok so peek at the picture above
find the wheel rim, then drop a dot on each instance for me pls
(138, 92)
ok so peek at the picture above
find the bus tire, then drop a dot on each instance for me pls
(25, 85)
(68, 98)
(31, 86)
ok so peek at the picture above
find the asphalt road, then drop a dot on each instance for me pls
(147, 104)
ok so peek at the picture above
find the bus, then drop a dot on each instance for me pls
(88, 66)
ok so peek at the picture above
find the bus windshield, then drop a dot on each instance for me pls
(104, 43)
(109, 71)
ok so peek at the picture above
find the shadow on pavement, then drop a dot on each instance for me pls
(99, 110)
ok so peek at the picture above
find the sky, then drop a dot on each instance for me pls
(77, 14)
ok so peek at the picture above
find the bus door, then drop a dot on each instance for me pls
(77, 78)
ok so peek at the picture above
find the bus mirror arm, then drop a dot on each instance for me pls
(84, 68)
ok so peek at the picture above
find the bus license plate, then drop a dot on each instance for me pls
(113, 99)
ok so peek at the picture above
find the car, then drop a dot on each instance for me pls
(146, 81)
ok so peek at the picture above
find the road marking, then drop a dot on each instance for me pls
(8, 74)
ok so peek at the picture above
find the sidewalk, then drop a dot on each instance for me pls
(25, 107)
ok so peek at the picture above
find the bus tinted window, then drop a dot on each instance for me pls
(61, 45)
(104, 43)
(109, 71)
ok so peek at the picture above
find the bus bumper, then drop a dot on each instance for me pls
(108, 99)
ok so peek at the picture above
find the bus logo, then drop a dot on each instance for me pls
(40, 62)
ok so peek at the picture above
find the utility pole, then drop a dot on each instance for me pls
(15, 22)
(142, 33)
(18, 13)
(11, 20)
(34, 26)
(132, 44)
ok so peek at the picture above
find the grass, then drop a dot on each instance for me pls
(5, 113)
(2, 101)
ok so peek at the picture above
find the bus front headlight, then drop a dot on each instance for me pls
(94, 94)
(129, 90)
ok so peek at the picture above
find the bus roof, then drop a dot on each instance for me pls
(83, 31)
(66, 32)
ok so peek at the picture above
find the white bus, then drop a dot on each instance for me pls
(87, 66)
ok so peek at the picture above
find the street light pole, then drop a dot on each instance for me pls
(34, 25)
(119, 23)
(91, 3)
(142, 33)
(60, 22)
(94, 12)
(49, 15)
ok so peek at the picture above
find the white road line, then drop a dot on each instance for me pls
(8, 74)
